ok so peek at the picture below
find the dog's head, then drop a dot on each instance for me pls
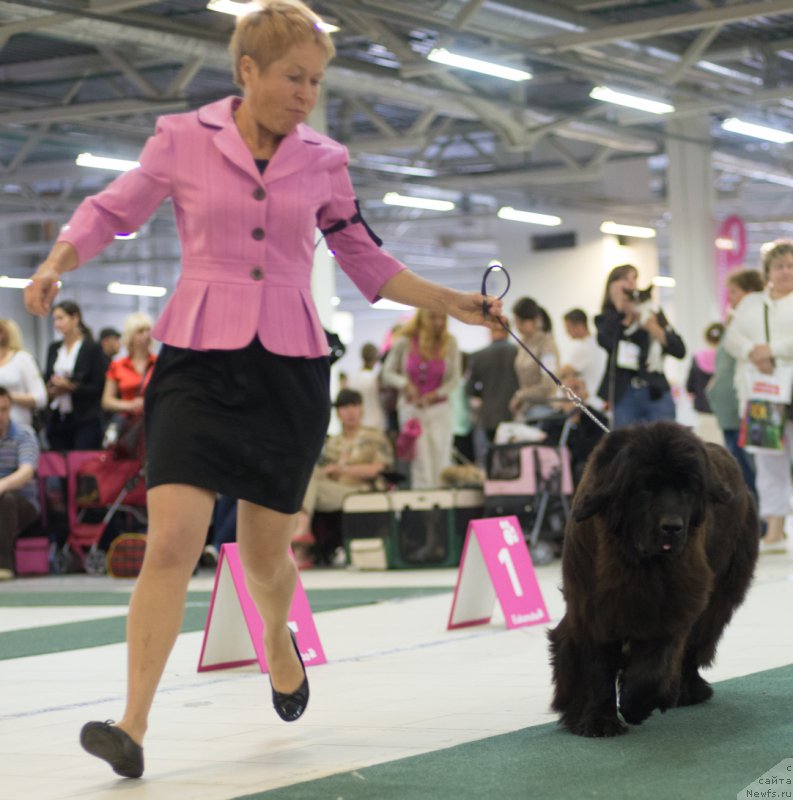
(651, 484)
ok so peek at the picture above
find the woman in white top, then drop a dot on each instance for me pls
(19, 374)
(367, 382)
(766, 349)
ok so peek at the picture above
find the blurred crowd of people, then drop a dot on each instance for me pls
(418, 405)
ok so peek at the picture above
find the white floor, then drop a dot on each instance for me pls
(396, 684)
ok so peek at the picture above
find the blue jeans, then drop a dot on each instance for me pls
(744, 459)
(636, 405)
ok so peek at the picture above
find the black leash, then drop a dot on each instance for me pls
(568, 392)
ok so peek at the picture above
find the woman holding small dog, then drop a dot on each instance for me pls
(760, 337)
(238, 402)
(634, 385)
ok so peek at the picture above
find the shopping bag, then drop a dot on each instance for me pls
(766, 411)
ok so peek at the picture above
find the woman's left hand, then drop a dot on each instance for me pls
(467, 307)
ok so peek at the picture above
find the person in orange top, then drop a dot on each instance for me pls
(128, 375)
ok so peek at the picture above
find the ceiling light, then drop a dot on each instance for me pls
(757, 131)
(507, 212)
(138, 290)
(13, 283)
(722, 243)
(664, 282)
(396, 199)
(630, 101)
(239, 8)
(390, 305)
(627, 230)
(442, 56)
(399, 169)
(104, 162)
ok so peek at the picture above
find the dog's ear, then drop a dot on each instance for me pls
(719, 492)
(588, 504)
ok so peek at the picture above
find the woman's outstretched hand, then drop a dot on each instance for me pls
(42, 289)
(468, 307)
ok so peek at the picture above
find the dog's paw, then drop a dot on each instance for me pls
(599, 727)
(694, 689)
(636, 707)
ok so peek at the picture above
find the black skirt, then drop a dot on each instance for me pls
(246, 423)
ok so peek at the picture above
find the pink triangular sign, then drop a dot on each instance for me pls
(496, 564)
(234, 633)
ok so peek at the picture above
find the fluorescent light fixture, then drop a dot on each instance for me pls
(240, 9)
(103, 162)
(427, 203)
(13, 283)
(335, 301)
(507, 212)
(127, 236)
(399, 169)
(630, 101)
(664, 282)
(735, 125)
(389, 305)
(723, 243)
(635, 231)
(441, 55)
(135, 289)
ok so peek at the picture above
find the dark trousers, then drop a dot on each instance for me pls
(16, 514)
(66, 433)
(744, 459)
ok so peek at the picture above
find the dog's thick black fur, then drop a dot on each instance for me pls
(658, 553)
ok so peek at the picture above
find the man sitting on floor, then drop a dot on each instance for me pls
(351, 462)
(19, 504)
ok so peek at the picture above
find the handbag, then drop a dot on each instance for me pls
(405, 444)
(767, 408)
(124, 434)
(125, 556)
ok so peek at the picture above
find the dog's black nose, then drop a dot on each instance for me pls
(672, 526)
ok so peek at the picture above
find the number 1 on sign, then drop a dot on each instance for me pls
(506, 559)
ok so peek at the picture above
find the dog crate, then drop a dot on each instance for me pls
(408, 529)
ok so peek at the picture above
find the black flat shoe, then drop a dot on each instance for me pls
(104, 740)
(291, 706)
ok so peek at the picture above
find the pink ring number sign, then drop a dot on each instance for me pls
(496, 566)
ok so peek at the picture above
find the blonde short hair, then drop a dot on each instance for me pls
(772, 250)
(266, 35)
(10, 335)
(132, 324)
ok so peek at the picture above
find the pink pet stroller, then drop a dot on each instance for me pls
(535, 483)
(99, 485)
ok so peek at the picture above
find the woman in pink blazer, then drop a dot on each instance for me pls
(238, 403)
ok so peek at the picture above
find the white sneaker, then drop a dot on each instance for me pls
(773, 548)
(6, 574)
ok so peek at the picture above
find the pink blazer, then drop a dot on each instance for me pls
(247, 239)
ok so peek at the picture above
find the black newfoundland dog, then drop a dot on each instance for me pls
(658, 553)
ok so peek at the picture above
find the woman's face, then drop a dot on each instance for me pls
(436, 322)
(284, 93)
(140, 341)
(780, 274)
(527, 327)
(64, 323)
(618, 288)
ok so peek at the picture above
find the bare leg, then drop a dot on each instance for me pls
(776, 530)
(263, 537)
(179, 518)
